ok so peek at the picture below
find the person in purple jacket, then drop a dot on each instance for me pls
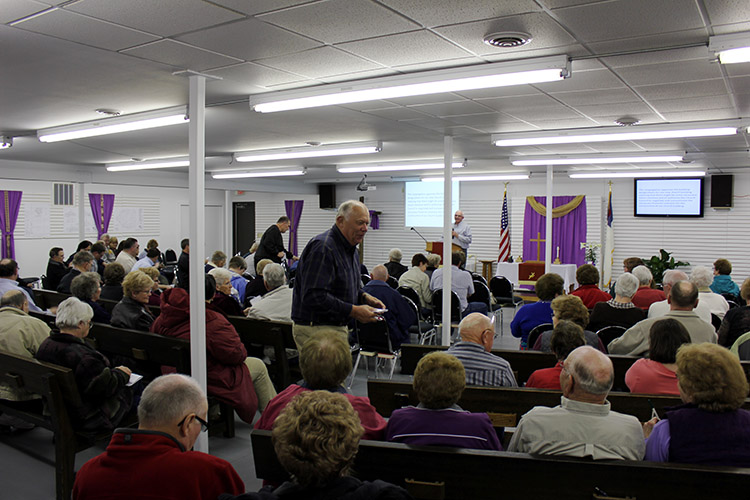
(711, 428)
(439, 381)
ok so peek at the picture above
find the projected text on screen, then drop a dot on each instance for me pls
(424, 203)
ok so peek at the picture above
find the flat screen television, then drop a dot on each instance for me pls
(669, 197)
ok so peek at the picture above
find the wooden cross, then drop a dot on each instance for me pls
(538, 241)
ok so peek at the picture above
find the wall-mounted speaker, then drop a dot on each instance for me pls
(327, 196)
(722, 187)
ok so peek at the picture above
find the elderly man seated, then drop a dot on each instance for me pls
(316, 438)
(683, 297)
(461, 283)
(325, 360)
(661, 308)
(82, 263)
(156, 460)
(399, 315)
(619, 311)
(473, 351)
(276, 305)
(8, 281)
(20, 334)
(394, 266)
(583, 425)
(417, 279)
(439, 381)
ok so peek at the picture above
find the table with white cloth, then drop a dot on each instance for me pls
(510, 271)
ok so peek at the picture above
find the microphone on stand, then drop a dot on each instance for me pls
(420, 235)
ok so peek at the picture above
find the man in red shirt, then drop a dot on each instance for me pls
(155, 461)
(645, 296)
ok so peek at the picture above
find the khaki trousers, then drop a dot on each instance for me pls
(302, 333)
(261, 381)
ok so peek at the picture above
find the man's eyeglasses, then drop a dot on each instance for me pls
(204, 424)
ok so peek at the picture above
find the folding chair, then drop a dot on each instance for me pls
(374, 342)
(502, 290)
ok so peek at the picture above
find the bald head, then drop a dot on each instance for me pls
(683, 296)
(15, 298)
(379, 273)
(587, 375)
(672, 276)
(477, 328)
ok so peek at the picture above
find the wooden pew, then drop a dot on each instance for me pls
(56, 385)
(278, 335)
(522, 362)
(387, 395)
(48, 298)
(454, 473)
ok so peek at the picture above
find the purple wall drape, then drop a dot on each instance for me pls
(11, 204)
(374, 220)
(101, 207)
(567, 232)
(293, 211)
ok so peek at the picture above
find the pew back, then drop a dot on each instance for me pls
(254, 332)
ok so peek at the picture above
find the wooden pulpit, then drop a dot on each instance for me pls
(436, 247)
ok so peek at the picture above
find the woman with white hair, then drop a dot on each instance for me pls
(619, 311)
(224, 300)
(105, 396)
(702, 277)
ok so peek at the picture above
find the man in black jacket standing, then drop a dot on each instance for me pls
(272, 245)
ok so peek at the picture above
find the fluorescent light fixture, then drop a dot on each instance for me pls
(352, 148)
(605, 134)
(260, 173)
(116, 125)
(182, 161)
(395, 167)
(593, 159)
(469, 178)
(732, 48)
(482, 76)
(639, 173)
(5, 141)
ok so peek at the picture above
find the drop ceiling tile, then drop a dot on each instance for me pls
(405, 48)
(87, 30)
(357, 75)
(319, 63)
(180, 55)
(731, 28)
(257, 6)
(677, 72)
(398, 114)
(697, 35)
(164, 17)
(452, 108)
(740, 84)
(601, 97)
(584, 80)
(562, 123)
(441, 64)
(619, 109)
(427, 99)
(558, 4)
(706, 114)
(741, 69)
(521, 102)
(545, 32)
(568, 50)
(247, 78)
(16, 9)
(692, 104)
(354, 20)
(441, 12)
(485, 120)
(249, 40)
(645, 116)
(727, 11)
(699, 88)
(634, 18)
(511, 91)
(546, 113)
(501, 128)
(658, 57)
(368, 105)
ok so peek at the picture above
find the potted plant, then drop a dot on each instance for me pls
(657, 264)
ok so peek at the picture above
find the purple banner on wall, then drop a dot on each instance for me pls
(568, 232)
(294, 212)
(374, 220)
(11, 204)
(102, 206)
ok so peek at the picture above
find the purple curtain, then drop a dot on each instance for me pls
(567, 232)
(374, 219)
(293, 211)
(101, 206)
(8, 216)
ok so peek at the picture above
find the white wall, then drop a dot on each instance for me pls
(698, 241)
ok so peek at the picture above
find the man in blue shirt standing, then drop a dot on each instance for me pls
(461, 232)
(327, 289)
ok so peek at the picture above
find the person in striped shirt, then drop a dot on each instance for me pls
(473, 350)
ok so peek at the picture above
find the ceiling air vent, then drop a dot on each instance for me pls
(507, 39)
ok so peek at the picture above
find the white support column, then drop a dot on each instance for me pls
(548, 223)
(81, 212)
(447, 237)
(228, 224)
(197, 235)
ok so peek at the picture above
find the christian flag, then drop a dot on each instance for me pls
(504, 232)
(609, 249)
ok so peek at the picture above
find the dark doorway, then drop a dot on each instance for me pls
(243, 226)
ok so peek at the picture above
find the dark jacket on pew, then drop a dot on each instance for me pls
(131, 314)
(106, 398)
(344, 488)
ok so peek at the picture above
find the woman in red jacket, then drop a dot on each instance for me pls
(233, 377)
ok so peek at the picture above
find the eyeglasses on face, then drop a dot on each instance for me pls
(204, 424)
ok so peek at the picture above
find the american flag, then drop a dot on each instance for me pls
(504, 232)
(609, 250)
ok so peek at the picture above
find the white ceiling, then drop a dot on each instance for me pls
(61, 60)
